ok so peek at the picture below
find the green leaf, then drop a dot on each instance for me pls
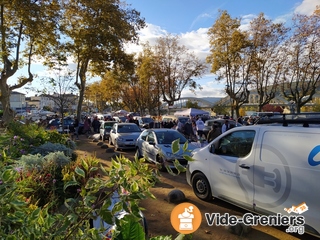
(130, 229)
(93, 169)
(185, 146)
(69, 184)
(134, 187)
(80, 172)
(175, 146)
(106, 216)
(117, 207)
(188, 158)
(183, 237)
(84, 165)
(7, 175)
(161, 238)
(179, 167)
(18, 204)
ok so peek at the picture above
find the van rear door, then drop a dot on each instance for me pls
(285, 176)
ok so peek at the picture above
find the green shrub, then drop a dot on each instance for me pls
(43, 175)
(49, 147)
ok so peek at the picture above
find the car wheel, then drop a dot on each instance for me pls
(138, 154)
(110, 141)
(201, 187)
(160, 161)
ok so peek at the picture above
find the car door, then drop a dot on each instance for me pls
(232, 167)
(150, 146)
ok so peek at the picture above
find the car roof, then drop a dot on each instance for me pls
(120, 124)
(161, 130)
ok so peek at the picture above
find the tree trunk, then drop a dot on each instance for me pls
(8, 114)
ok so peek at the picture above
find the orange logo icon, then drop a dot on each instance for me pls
(185, 218)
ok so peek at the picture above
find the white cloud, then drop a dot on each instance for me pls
(307, 7)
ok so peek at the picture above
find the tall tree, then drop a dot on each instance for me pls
(302, 73)
(175, 67)
(267, 57)
(97, 31)
(229, 58)
(28, 29)
(60, 89)
(150, 88)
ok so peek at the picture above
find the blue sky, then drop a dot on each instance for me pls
(191, 19)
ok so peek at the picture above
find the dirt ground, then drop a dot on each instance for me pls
(157, 212)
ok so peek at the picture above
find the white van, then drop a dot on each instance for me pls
(265, 169)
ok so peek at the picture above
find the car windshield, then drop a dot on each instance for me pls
(128, 128)
(167, 137)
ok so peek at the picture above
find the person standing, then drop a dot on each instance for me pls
(200, 127)
(226, 126)
(87, 126)
(95, 124)
(76, 127)
(188, 130)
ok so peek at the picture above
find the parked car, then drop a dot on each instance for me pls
(219, 122)
(120, 119)
(144, 122)
(105, 128)
(124, 135)
(269, 170)
(155, 146)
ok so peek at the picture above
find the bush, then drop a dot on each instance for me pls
(42, 175)
(23, 219)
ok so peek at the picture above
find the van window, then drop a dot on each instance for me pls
(236, 144)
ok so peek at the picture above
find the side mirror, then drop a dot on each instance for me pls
(212, 148)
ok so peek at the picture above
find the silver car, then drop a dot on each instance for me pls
(155, 146)
(124, 135)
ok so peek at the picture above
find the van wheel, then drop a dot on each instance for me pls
(201, 187)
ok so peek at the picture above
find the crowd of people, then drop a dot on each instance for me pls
(192, 128)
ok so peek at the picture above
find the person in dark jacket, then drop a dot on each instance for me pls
(76, 127)
(95, 124)
(213, 133)
(188, 130)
